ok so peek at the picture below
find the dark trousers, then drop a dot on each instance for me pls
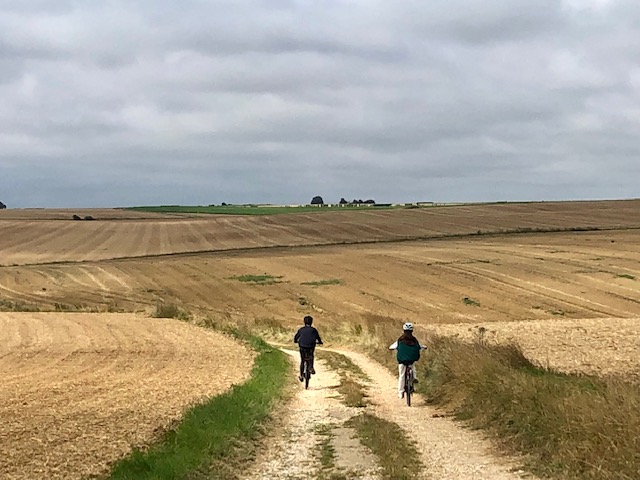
(306, 353)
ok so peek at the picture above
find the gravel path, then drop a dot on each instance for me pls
(447, 450)
(294, 452)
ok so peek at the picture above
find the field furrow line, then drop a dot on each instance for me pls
(515, 282)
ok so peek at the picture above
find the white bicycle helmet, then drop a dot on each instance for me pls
(408, 326)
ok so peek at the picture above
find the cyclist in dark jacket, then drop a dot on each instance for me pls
(408, 351)
(307, 337)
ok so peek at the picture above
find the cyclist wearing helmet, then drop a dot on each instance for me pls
(408, 351)
(307, 337)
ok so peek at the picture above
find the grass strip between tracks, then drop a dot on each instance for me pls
(352, 391)
(397, 454)
(211, 433)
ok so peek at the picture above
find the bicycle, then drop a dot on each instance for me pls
(306, 369)
(408, 383)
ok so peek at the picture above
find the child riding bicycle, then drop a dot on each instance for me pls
(307, 337)
(408, 351)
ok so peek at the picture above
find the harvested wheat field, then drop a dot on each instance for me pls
(80, 389)
(543, 280)
(44, 236)
(595, 346)
(480, 279)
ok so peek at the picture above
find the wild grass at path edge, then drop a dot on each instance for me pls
(212, 433)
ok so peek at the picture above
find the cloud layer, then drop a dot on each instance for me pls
(121, 103)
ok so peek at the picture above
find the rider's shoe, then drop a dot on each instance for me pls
(400, 394)
(313, 371)
(300, 378)
(415, 380)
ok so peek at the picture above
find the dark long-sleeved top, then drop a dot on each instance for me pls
(307, 337)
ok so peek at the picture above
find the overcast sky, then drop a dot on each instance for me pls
(142, 102)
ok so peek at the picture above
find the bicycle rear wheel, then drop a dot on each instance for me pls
(408, 386)
(307, 374)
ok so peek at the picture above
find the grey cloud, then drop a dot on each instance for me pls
(165, 102)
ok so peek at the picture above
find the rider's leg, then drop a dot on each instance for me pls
(415, 373)
(311, 359)
(401, 371)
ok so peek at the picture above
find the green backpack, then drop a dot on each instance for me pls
(408, 353)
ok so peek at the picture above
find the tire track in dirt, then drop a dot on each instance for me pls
(94, 279)
(115, 277)
(553, 269)
(538, 290)
(19, 295)
(583, 303)
(468, 267)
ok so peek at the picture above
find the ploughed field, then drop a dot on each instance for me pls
(78, 390)
(41, 236)
(571, 298)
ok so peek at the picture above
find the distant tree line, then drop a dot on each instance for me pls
(317, 200)
(357, 202)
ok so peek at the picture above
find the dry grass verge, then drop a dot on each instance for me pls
(569, 426)
(171, 310)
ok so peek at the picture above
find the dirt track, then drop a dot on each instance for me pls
(292, 451)
(447, 450)
(78, 390)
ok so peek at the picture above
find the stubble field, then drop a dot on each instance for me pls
(572, 299)
(41, 236)
(79, 390)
